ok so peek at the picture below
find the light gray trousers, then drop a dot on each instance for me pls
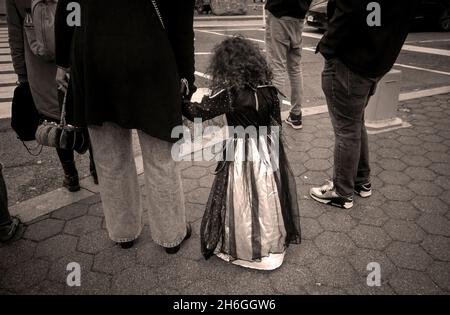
(284, 41)
(120, 191)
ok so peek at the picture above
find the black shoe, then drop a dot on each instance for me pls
(364, 191)
(7, 232)
(72, 183)
(71, 180)
(295, 121)
(126, 245)
(174, 250)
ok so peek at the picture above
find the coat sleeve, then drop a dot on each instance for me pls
(209, 108)
(63, 35)
(180, 28)
(342, 15)
(16, 40)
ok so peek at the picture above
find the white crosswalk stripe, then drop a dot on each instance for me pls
(8, 79)
(5, 110)
(5, 58)
(7, 76)
(6, 67)
(6, 92)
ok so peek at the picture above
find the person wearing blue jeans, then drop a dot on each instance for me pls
(347, 96)
(284, 41)
(360, 46)
(8, 225)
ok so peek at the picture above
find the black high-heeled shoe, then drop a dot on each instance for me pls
(174, 250)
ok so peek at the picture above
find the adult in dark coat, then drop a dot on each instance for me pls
(126, 68)
(127, 60)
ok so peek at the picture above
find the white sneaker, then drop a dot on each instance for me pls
(327, 194)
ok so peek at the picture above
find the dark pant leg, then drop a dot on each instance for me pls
(65, 156)
(5, 217)
(67, 160)
(363, 174)
(347, 97)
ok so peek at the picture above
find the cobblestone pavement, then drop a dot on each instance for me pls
(404, 227)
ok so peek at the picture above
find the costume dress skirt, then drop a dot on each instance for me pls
(252, 212)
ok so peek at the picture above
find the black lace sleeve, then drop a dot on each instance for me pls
(210, 106)
(275, 103)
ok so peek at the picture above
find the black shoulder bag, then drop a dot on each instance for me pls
(24, 115)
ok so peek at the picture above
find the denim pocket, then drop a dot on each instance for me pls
(328, 76)
(349, 98)
(359, 86)
(341, 80)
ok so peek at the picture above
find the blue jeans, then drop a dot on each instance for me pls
(5, 218)
(284, 54)
(347, 95)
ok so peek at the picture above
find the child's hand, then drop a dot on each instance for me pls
(184, 89)
(187, 90)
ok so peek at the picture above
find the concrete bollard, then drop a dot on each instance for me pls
(381, 112)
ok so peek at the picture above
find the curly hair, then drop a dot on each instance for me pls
(236, 63)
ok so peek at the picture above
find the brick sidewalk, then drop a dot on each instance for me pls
(404, 226)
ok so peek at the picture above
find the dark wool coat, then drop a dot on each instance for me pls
(125, 67)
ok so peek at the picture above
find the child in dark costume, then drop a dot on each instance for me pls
(252, 214)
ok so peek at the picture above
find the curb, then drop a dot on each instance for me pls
(227, 26)
(244, 21)
(44, 204)
(228, 18)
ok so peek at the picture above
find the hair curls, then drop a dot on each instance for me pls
(237, 63)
